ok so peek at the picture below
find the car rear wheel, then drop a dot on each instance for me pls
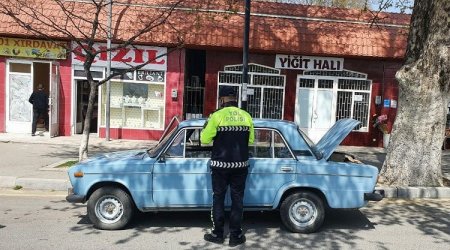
(110, 208)
(302, 212)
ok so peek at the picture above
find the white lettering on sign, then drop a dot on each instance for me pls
(308, 62)
(124, 57)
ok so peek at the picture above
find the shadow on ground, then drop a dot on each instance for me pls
(265, 230)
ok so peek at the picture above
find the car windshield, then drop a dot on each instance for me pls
(153, 152)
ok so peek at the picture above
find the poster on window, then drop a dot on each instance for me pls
(150, 75)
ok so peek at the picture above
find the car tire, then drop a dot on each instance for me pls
(302, 212)
(110, 208)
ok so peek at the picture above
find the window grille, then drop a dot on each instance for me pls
(306, 83)
(340, 74)
(354, 84)
(325, 84)
(266, 86)
(253, 68)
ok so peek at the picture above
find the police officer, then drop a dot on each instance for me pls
(231, 128)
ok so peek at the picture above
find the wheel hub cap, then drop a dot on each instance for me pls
(109, 210)
(303, 213)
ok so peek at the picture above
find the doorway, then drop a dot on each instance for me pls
(24, 77)
(82, 100)
(194, 86)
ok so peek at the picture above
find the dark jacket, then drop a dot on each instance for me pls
(39, 100)
(231, 128)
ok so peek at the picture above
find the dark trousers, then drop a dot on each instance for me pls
(221, 179)
(36, 114)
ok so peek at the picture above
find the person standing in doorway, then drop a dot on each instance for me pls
(39, 99)
(231, 130)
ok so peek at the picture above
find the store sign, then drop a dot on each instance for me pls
(17, 47)
(308, 62)
(124, 57)
(150, 75)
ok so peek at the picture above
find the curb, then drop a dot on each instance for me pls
(34, 183)
(416, 192)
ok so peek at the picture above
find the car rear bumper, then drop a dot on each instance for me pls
(376, 195)
(74, 198)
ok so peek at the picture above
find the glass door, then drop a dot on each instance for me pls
(19, 112)
(315, 105)
(54, 100)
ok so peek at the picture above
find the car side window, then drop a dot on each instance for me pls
(261, 148)
(194, 148)
(280, 148)
(176, 149)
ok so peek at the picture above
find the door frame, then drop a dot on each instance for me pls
(8, 124)
(54, 97)
(73, 110)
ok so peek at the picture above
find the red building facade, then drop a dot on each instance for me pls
(360, 85)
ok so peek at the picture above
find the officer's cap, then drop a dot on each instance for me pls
(226, 91)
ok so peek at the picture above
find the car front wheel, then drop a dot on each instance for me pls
(110, 208)
(302, 212)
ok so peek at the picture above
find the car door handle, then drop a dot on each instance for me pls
(287, 169)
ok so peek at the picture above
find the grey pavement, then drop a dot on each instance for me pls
(29, 162)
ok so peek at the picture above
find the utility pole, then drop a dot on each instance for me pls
(245, 56)
(108, 72)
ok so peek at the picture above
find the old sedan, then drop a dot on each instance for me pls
(287, 172)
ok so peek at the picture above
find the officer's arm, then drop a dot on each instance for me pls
(251, 138)
(209, 131)
(31, 98)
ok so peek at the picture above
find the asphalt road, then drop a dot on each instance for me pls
(46, 221)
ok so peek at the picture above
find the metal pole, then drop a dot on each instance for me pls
(245, 56)
(108, 72)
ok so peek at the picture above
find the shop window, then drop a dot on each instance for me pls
(135, 105)
(20, 67)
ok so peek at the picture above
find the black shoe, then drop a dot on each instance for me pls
(213, 238)
(33, 134)
(234, 241)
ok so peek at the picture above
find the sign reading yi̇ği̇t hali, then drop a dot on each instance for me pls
(308, 62)
(18, 47)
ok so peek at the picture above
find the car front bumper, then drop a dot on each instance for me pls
(376, 195)
(74, 198)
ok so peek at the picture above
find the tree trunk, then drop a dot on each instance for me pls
(83, 151)
(414, 153)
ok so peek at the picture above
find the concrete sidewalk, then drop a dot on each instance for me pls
(29, 162)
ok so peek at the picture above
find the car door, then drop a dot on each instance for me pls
(181, 177)
(272, 165)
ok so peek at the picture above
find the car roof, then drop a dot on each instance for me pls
(257, 123)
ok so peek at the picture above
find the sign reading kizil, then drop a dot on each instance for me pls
(308, 62)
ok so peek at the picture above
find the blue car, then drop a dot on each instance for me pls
(287, 172)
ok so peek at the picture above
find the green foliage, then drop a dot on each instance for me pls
(67, 164)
